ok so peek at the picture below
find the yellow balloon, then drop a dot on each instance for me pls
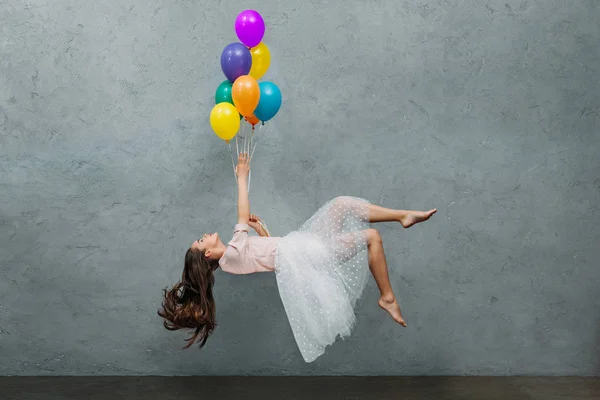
(225, 121)
(261, 59)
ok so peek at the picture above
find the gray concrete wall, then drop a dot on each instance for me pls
(489, 111)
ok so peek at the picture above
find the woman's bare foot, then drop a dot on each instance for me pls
(409, 218)
(390, 305)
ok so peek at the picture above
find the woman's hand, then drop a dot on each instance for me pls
(255, 223)
(254, 218)
(243, 167)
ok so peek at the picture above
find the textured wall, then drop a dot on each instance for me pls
(489, 111)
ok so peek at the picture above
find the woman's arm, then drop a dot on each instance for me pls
(242, 170)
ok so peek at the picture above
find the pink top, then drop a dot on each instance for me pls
(248, 254)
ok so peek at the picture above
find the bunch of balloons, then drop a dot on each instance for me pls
(241, 95)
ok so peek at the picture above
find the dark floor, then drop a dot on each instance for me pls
(291, 388)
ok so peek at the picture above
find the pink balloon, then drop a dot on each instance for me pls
(250, 28)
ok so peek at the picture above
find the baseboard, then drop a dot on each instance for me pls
(298, 387)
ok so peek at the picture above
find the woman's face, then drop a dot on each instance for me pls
(207, 244)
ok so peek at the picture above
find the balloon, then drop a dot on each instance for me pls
(261, 59)
(224, 121)
(223, 93)
(270, 101)
(250, 28)
(245, 94)
(236, 61)
(252, 120)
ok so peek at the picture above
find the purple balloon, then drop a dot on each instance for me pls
(250, 28)
(236, 61)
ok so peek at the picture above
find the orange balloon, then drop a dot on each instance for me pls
(245, 94)
(252, 120)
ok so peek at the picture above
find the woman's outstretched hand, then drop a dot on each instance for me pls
(243, 167)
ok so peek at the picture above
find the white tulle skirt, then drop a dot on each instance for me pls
(321, 270)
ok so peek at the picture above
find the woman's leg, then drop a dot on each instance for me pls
(345, 204)
(378, 267)
(406, 217)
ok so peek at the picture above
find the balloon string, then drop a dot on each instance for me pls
(253, 144)
(251, 141)
(243, 137)
(264, 226)
(251, 155)
(237, 148)
(232, 162)
(246, 138)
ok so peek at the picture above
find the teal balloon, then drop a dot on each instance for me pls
(223, 93)
(270, 101)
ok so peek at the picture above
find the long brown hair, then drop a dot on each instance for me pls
(189, 304)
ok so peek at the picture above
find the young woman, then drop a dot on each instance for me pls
(321, 269)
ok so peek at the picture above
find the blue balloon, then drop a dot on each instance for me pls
(236, 61)
(270, 101)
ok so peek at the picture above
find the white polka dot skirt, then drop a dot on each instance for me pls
(322, 269)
